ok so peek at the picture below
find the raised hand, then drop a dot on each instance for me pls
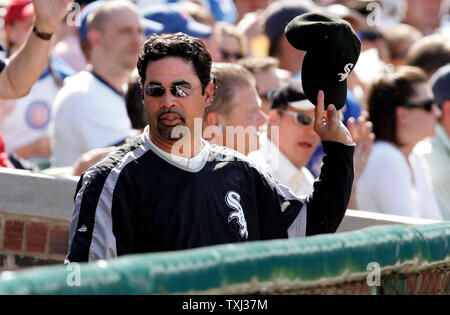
(49, 13)
(328, 125)
(364, 137)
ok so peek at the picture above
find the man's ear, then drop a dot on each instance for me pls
(209, 94)
(401, 114)
(93, 36)
(212, 119)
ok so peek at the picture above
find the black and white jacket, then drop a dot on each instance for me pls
(141, 199)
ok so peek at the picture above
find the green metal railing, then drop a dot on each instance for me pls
(377, 260)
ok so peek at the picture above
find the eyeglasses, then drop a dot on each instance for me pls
(156, 90)
(426, 105)
(300, 118)
(227, 55)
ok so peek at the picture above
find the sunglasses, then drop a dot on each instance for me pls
(426, 105)
(300, 118)
(156, 90)
(227, 55)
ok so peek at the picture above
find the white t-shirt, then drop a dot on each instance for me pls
(29, 117)
(273, 161)
(390, 185)
(87, 114)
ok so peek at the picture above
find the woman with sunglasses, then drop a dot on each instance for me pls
(396, 180)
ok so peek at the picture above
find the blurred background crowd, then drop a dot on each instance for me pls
(88, 99)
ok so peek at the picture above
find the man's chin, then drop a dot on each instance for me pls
(172, 133)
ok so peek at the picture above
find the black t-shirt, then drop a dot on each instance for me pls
(141, 200)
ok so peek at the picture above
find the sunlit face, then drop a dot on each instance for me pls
(296, 141)
(121, 37)
(427, 13)
(229, 48)
(247, 114)
(419, 122)
(265, 82)
(168, 111)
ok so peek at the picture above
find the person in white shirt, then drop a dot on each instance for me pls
(290, 140)
(396, 179)
(24, 121)
(90, 111)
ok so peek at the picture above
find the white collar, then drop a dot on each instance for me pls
(193, 164)
(281, 167)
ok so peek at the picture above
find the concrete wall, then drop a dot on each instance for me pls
(36, 209)
(35, 212)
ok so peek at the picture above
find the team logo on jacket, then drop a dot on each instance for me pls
(38, 114)
(232, 200)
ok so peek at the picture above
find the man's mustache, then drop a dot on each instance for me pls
(170, 111)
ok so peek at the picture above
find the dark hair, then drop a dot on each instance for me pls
(176, 45)
(133, 100)
(429, 53)
(386, 94)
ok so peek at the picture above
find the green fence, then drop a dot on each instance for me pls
(376, 260)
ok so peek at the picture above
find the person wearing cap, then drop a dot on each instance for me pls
(235, 116)
(24, 68)
(89, 111)
(396, 179)
(437, 149)
(168, 189)
(24, 121)
(290, 140)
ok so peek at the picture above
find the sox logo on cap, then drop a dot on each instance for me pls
(348, 68)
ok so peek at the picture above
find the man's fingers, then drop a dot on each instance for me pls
(332, 113)
(320, 106)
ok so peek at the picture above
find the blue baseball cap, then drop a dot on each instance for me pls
(175, 20)
(150, 26)
(222, 10)
(440, 83)
(91, 7)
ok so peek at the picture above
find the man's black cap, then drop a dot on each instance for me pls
(332, 52)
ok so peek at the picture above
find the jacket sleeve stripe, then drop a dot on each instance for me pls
(91, 233)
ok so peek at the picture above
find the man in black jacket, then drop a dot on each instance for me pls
(168, 189)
